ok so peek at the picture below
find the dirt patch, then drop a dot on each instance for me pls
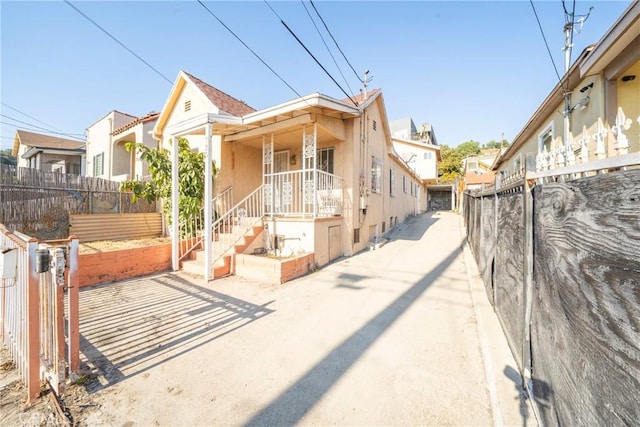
(116, 245)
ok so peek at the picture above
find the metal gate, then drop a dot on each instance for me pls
(35, 278)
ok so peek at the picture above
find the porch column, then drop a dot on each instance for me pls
(309, 165)
(208, 204)
(267, 171)
(175, 240)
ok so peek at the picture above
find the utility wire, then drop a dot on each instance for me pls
(250, 50)
(325, 45)
(334, 40)
(39, 121)
(545, 42)
(118, 41)
(37, 127)
(310, 54)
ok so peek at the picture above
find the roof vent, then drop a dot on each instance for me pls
(187, 106)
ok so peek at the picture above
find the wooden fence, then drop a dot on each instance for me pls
(560, 260)
(39, 203)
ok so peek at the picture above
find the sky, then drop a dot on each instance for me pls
(474, 70)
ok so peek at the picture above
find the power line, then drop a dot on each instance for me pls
(545, 41)
(35, 127)
(250, 50)
(33, 118)
(310, 54)
(334, 40)
(118, 41)
(325, 45)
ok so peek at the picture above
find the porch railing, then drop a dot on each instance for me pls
(306, 193)
(191, 231)
(229, 228)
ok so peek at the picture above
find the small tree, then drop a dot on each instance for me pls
(191, 179)
(449, 167)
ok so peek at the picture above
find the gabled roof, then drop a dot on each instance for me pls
(144, 119)
(224, 102)
(38, 140)
(360, 98)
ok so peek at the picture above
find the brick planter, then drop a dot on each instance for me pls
(103, 267)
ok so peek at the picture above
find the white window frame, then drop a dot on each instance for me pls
(95, 164)
(376, 175)
(548, 129)
(392, 183)
(517, 163)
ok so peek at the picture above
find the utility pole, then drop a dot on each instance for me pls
(569, 28)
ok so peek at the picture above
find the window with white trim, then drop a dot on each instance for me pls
(392, 183)
(545, 138)
(376, 175)
(98, 164)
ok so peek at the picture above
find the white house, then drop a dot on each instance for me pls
(107, 156)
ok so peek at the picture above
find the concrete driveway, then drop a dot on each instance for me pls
(387, 337)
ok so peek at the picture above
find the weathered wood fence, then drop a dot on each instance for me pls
(560, 260)
(39, 203)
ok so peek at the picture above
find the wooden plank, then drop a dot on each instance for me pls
(509, 270)
(585, 330)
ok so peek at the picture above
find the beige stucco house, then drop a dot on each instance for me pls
(604, 117)
(316, 175)
(48, 153)
(107, 156)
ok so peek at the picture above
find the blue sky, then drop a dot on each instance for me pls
(471, 69)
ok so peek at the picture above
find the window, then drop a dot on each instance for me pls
(392, 183)
(404, 183)
(517, 162)
(545, 139)
(325, 159)
(98, 164)
(356, 235)
(376, 175)
(428, 155)
(472, 165)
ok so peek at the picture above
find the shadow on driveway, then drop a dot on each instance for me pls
(129, 328)
(292, 404)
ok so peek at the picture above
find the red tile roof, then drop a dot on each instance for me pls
(220, 99)
(144, 119)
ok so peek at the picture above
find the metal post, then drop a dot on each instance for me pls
(175, 238)
(208, 201)
(73, 299)
(33, 323)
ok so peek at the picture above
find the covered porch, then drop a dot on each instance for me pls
(300, 176)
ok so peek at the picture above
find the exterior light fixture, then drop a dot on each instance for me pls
(628, 78)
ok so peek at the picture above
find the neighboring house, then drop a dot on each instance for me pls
(604, 118)
(323, 171)
(477, 169)
(420, 156)
(107, 156)
(49, 153)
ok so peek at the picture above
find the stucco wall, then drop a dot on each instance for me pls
(99, 140)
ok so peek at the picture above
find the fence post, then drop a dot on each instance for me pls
(74, 308)
(33, 323)
(528, 281)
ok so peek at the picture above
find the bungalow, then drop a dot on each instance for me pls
(313, 175)
(107, 156)
(48, 153)
(602, 124)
